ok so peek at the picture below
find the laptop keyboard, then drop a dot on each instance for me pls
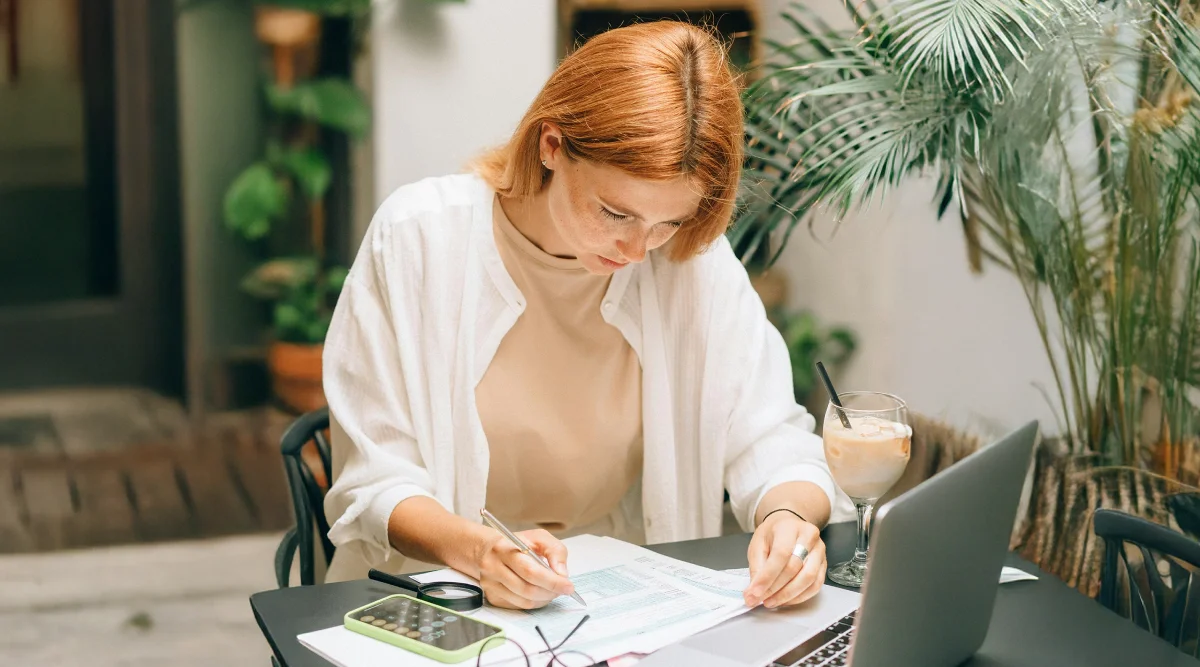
(827, 648)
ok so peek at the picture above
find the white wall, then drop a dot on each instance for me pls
(957, 346)
(451, 79)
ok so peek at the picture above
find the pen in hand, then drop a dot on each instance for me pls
(492, 521)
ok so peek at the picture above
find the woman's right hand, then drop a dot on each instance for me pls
(513, 580)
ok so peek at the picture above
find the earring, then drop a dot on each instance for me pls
(544, 164)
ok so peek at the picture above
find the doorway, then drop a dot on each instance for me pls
(90, 257)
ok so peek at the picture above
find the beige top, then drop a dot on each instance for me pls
(561, 401)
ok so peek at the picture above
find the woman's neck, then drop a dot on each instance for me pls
(531, 217)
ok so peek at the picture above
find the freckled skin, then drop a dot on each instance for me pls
(568, 217)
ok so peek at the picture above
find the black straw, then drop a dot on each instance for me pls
(833, 396)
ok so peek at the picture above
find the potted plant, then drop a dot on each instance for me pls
(277, 203)
(1067, 133)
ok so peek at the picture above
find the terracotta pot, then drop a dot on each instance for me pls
(293, 28)
(296, 375)
(292, 35)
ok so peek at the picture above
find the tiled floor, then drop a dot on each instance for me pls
(107, 467)
(87, 421)
(102, 493)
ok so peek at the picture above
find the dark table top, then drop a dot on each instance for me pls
(1035, 623)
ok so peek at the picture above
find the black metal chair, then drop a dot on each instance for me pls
(308, 498)
(1158, 567)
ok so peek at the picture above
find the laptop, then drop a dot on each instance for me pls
(934, 567)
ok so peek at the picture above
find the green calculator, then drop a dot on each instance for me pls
(424, 628)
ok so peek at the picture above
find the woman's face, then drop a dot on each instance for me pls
(606, 217)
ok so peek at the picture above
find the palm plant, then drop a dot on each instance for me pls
(1067, 132)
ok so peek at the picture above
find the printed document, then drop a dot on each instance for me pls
(638, 602)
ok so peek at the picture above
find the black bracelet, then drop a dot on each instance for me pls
(782, 509)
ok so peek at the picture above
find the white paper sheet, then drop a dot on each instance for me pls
(638, 601)
(1011, 574)
(775, 630)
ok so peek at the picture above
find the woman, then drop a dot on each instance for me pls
(565, 337)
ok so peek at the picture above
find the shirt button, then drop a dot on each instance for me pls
(608, 306)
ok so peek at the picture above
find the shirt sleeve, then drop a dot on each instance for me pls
(771, 438)
(377, 460)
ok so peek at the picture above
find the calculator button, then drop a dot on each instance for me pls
(367, 619)
(451, 619)
(378, 622)
(414, 634)
(438, 624)
(425, 628)
(390, 626)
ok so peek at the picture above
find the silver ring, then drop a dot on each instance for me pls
(800, 552)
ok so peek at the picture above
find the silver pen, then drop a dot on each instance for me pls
(492, 521)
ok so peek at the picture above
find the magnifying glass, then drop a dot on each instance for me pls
(448, 594)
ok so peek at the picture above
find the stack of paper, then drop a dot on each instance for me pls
(639, 602)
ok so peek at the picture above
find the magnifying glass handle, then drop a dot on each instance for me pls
(407, 583)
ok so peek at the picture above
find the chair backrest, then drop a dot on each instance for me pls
(1149, 577)
(307, 487)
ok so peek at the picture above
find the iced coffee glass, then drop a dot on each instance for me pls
(866, 460)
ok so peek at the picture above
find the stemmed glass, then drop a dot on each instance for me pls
(866, 460)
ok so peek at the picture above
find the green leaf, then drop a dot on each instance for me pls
(807, 342)
(310, 169)
(257, 229)
(289, 319)
(845, 339)
(301, 313)
(316, 330)
(335, 103)
(335, 278)
(253, 200)
(870, 84)
(275, 151)
(968, 41)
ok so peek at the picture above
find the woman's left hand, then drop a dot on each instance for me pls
(777, 577)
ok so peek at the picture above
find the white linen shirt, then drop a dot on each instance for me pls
(421, 315)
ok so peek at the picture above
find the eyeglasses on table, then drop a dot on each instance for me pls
(558, 658)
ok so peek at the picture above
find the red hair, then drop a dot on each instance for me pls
(656, 100)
